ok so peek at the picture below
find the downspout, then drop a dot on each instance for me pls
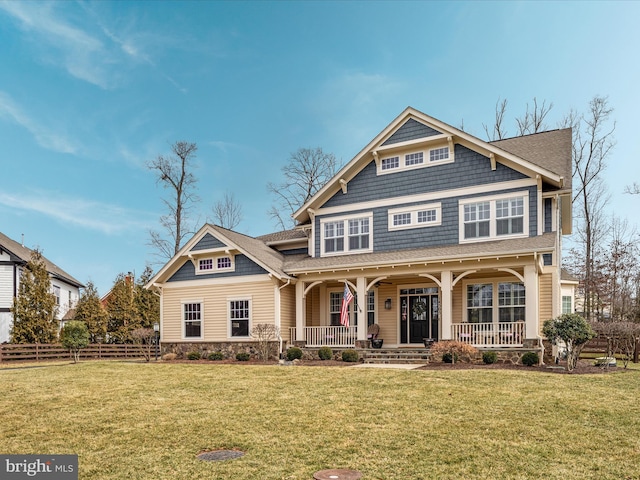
(279, 329)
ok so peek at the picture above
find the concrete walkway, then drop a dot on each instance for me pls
(400, 366)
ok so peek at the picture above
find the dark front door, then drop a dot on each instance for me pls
(419, 314)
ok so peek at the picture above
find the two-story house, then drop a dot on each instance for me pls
(13, 257)
(438, 234)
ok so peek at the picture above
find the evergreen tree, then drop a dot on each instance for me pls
(90, 311)
(34, 309)
(121, 308)
(147, 302)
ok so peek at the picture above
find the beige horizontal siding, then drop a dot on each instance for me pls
(545, 293)
(215, 307)
(288, 310)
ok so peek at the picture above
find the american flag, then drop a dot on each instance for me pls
(344, 311)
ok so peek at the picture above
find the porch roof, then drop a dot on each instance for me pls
(297, 264)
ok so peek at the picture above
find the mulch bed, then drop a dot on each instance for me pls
(583, 367)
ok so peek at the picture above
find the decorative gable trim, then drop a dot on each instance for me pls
(450, 135)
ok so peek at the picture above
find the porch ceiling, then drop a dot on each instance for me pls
(299, 264)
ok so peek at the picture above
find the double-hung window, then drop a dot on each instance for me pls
(509, 216)
(239, 317)
(477, 218)
(480, 303)
(192, 318)
(504, 215)
(346, 234)
(334, 237)
(511, 302)
(359, 234)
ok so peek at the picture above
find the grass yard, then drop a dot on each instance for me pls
(130, 420)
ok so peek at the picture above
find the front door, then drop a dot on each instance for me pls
(419, 314)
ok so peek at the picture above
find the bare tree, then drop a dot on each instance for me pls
(498, 132)
(633, 189)
(533, 122)
(308, 170)
(173, 172)
(592, 145)
(227, 212)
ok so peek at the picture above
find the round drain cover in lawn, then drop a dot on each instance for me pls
(337, 474)
(220, 455)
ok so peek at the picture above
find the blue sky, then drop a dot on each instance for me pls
(91, 91)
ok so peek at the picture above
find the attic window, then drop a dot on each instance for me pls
(211, 265)
(390, 163)
(439, 154)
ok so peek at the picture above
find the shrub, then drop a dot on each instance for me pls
(216, 356)
(530, 359)
(325, 353)
(265, 334)
(294, 353)
(75, 336)
(169, 356)
(453, 348)
(243, 357)
(449, 357)
(489, 357)
(350, 355)
(572, 330)
(194, 355)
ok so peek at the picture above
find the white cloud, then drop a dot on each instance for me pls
(106, 218)
(46, 138)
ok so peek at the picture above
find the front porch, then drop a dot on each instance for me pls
(479, 335)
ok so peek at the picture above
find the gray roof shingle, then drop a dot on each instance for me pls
(23, 254)
(550, 150)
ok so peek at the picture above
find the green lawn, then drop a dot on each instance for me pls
(148, 421)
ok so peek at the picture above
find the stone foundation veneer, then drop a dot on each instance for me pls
(228, 349)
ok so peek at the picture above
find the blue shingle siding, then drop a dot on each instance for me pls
(411, 130)
(447, 233)
(468, 169)
(547, 215)
(294, 251)
(208, 241)
(244, 266)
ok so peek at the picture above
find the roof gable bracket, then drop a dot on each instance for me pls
(492, 158)
(343, 185)
(376, 158)
(450, 142)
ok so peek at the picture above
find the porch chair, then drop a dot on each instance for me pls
(373, 331)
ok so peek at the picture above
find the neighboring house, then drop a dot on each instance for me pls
(438, 234)
(13, 257)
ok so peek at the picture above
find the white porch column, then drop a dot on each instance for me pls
(446, 310)
(361, 286)
(300, 311)
(531, 299)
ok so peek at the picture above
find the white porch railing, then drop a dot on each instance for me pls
(503, 334)
(329, 336)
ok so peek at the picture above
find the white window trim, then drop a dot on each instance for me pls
(492, 218)
(402, 156)
(495, 309)
(183, 320)
(345, 219)
(339, 291)
(215, 269)
(239, 299)
(413, 211)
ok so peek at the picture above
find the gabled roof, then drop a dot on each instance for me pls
(22, 254)
(283, 237)
(255, 249)
(540, 164)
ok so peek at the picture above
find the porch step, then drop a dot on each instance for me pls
(413, 356)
